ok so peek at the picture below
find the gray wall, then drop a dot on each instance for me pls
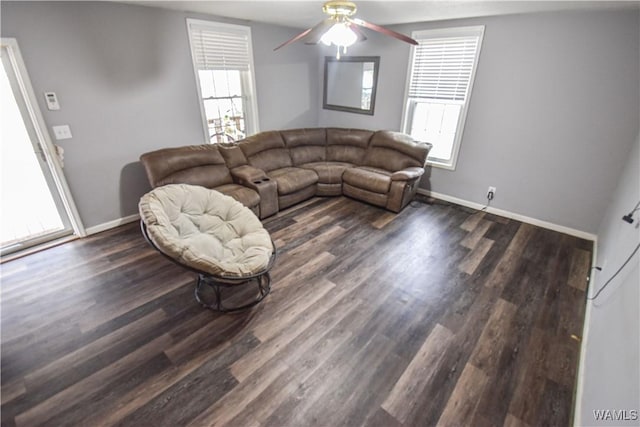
(553, 112)
(612, 364)
(125, 82)
(287, 79)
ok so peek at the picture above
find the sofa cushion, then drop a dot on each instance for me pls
(266, 151)
(347, 145)
(377, 199)
(368, 178)
(244, 195)
(306, 145)
(394, 151)
(328, 172)
(194, 164)
(290, 180)
(233, 155)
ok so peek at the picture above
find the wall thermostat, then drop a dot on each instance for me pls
(52, 100)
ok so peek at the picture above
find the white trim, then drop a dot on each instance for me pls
(112, 224)
(512, 215)
(445, 32)
(577, 407)
(43, 134)
(253, 90)
(194, 67)
(37, 248)
(252, 124)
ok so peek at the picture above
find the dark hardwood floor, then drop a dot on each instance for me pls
(438, 315)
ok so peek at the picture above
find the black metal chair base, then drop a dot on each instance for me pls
(262, 281)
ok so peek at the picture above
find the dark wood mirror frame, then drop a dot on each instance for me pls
(329, 97)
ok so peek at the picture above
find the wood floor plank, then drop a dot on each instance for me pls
(54, 405)
(529, 390)
(503, 272)
(472, 221)
(494, 335)
(335, 403)
(207, 338)
(270, 327)
(580, 269)
(150, 395)
(383, 220)
(12, 390)
(193, 393)
(230, 405)
(400, 402)
(511, 421)
(464, 400)
(242, 368)
(473, 238)
(473, 260)
(290, 256)
(302, 363)
(71, 360)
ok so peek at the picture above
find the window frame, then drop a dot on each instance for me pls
(247, 79)
(410, 103)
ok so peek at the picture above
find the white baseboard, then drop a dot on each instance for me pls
(112, 224)
(577, 413)
(511, 215)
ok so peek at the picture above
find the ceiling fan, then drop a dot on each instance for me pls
(340, 29)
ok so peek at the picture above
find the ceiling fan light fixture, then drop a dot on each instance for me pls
(339, 35)
(340, 29)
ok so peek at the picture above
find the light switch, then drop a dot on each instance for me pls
(62, 132)
(52, 100)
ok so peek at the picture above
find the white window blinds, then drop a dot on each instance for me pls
(220, 47)
(442, 67)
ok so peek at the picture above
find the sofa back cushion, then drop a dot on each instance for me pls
(266, 151)
(306, 145)
(194, 164)
(233, 155)
(347, 145)
(394, 151)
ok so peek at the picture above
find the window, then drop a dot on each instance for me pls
(442, 68)
(223, 63)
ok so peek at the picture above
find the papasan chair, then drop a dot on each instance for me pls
(213, 235)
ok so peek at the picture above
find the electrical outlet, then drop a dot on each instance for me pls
(62, 132)
(491, 193)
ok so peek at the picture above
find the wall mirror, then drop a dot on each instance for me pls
(350, 83)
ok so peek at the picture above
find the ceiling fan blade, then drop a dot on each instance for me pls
(296, 38)
(383, 30)
(359, 33)
(316, 33)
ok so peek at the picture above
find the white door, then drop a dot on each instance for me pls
(34, 208)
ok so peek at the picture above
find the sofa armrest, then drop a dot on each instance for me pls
(407, 174)
(257, 180)
(248, 175)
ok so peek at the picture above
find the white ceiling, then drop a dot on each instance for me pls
(306, 13)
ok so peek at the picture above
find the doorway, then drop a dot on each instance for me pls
(36, 207)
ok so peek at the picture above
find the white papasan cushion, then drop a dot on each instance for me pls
(206, 230)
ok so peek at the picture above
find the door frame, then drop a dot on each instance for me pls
(42, 133)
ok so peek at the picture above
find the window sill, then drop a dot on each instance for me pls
(441, 165)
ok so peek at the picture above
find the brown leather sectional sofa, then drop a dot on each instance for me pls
(273, 170)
